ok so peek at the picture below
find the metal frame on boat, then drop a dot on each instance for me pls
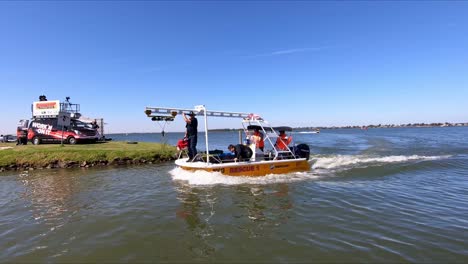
(272, 161)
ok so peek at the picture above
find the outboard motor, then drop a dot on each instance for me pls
(302, 151)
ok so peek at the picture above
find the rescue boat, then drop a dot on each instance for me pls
(272, 160)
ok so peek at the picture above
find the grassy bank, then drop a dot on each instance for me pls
(82, 155)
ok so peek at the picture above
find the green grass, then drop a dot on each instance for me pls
(44, 154)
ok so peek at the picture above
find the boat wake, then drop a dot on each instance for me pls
(216, 178)
(345, 162)
(308, 132)
(322, 166)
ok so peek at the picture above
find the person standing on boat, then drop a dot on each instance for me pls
(257, 138)
(241, 152)
(192, 131)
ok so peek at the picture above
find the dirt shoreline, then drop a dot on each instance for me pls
(58, 164)
(31, 157)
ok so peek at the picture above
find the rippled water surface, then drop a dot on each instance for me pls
(382, 195)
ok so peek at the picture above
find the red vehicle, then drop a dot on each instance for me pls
(55, 121)
(43, 130)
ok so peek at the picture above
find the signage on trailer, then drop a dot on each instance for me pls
(46, 108)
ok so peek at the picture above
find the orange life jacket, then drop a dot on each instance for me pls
(261, 143)
(283, 141)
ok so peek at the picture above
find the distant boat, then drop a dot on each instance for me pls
(316, 131)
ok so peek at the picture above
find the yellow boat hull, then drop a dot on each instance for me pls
(249, 169)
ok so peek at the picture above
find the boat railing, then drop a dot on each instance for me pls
(219, 157)
(249, 120)
(270, 137)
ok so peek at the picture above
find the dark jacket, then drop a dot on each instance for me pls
(192, 127)
(242, 152)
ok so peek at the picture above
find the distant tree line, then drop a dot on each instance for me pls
(446, 124)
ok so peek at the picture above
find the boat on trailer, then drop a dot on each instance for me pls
(294, 158)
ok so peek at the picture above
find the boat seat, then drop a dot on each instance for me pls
(213, 158)
(284, 154)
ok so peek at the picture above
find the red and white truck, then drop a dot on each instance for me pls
(55, 121)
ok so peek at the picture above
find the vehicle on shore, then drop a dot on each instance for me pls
(294, 158)
(56, 122)
(7, 138)
(47, 130)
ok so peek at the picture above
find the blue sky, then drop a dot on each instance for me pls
(304, 63)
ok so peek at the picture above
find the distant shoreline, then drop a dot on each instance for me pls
(416, 125)
(296, 129)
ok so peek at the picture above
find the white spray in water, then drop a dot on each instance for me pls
(346, 161)
(214, 178)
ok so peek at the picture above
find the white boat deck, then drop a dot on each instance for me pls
(201, 164)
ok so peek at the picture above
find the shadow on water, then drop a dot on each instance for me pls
(190, 206)
(51, 201)
(240, 215)
(196, 209)
(50, 196)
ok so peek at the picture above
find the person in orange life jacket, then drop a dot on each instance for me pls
(257, 138)
(192, 131)
(241, 152)
(283, 141)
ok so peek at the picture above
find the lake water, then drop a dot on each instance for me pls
(382, 195)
